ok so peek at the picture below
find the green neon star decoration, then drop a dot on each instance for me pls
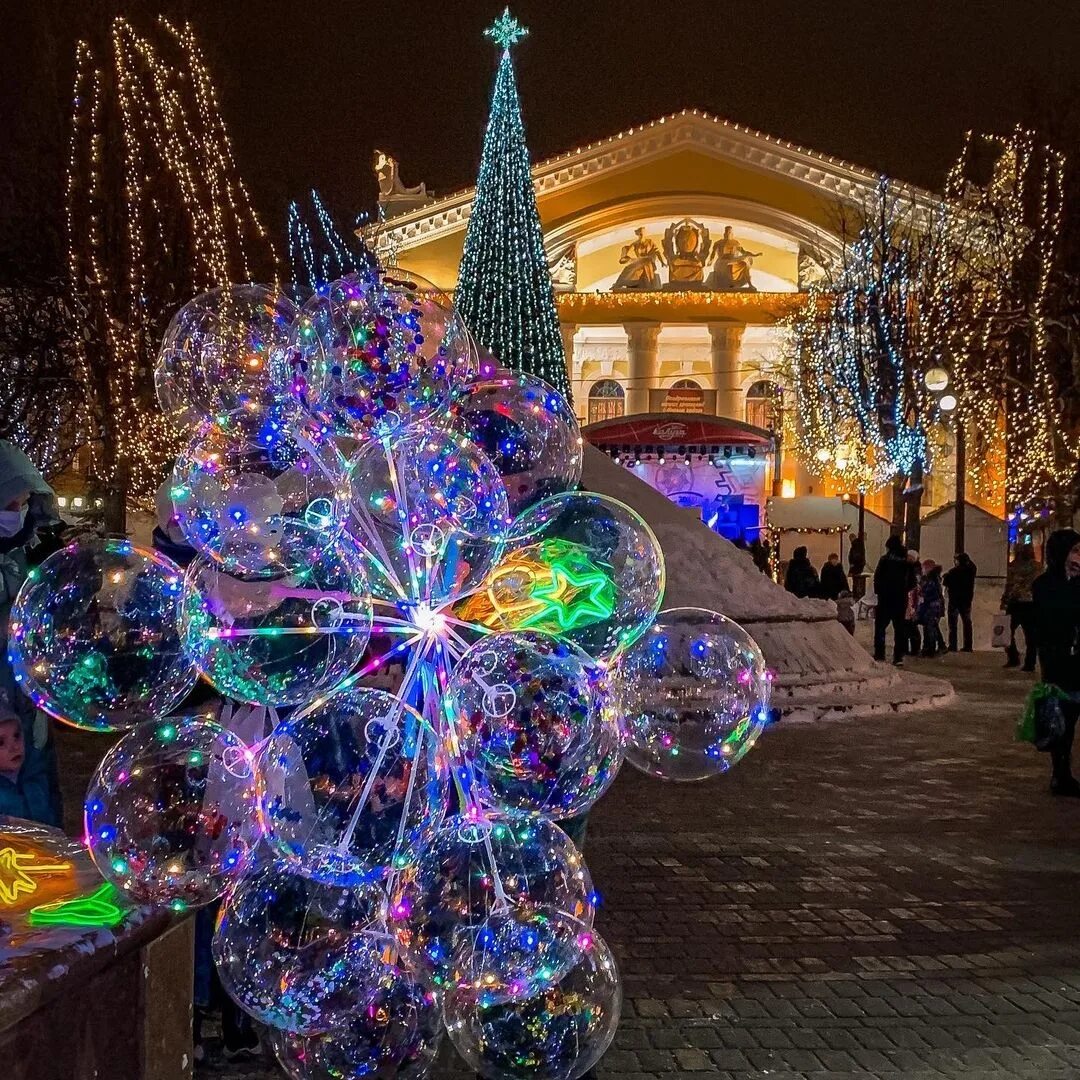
(506, 31)
(98, 908)
(577, 595)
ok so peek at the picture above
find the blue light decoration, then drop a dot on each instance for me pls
(855, 352)
(318, 252)
(504, 288)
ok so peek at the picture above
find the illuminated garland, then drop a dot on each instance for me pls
(155, 210)
(855, 352)
(504, 291)
(1006, 382)
(320, 255)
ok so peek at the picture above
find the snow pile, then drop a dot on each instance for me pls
(815, 660)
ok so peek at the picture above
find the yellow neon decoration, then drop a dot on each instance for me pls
(17, 873)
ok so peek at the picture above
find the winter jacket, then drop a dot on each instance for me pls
(894, 579)
(33, 794)
(1057, 622)
(960, 581)
(1057, 615)
(833, 581)
(801, 578)
(931, 599)
(857, 556)
(1021, 576)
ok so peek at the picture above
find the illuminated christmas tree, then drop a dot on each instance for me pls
(504, 289)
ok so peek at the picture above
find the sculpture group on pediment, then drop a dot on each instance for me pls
(638, 260)
(688, 252)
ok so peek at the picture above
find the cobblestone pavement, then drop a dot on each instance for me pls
(897, 896)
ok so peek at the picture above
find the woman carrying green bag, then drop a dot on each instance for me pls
(1056, 596)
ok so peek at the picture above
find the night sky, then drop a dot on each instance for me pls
(309, 90)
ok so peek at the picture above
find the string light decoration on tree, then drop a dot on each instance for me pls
(318, 252)
(1010, 371)
(504, 291)
(969, 283)
(855, 352)
(40, 391)
(155, 211)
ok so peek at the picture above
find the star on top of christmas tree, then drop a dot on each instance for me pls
(506, 31)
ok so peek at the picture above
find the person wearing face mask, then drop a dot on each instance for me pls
(1055, 595)
(27, 505)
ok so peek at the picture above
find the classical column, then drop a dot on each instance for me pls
(641, 349)
(726, 368)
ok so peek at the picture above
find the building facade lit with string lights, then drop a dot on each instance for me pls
(675, 248)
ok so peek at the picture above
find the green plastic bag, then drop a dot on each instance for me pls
(1025, 726)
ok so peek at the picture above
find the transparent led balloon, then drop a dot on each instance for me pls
(537, 997)
(432, 508)
(476, 865)
(528, 430)
(695, 695)
(395, 1035)
(298, 954)
(532, 714)
(280, 640)
(232, 500)
(171, 815)
(223, 361)
(375, 350)
(352, 787)
(580, 566)
(93, 635)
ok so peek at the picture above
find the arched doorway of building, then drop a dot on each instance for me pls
(607, 400)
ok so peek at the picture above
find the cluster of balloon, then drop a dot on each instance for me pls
(365, 496)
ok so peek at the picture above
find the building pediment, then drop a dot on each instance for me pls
(690, 152)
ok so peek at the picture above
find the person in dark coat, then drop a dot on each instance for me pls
(931, 608)
(894, 579)
(801, 577)
(857, 564)
(1017, 603)
(959, 583)
(1056, 596)
(833, 579)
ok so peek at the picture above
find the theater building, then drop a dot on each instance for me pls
(675, 247)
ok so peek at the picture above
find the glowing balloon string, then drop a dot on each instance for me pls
(403, 516)
(383, 564)
(390, 735)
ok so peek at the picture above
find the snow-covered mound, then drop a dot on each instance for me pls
(820, 668)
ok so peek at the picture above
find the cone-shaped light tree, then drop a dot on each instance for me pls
(504, 288)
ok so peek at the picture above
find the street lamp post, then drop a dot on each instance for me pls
(938, 381)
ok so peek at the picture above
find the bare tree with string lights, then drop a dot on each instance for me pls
(1015, 347)
(156, 211)
(856, 352)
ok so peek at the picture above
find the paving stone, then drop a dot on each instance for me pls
(874, 899)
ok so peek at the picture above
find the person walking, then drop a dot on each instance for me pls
(960, 584)
(833, 579)
(1016, 602)
(801, 578)
(857, 564)
(894, 578)
(1055, 594)
(931, 609)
